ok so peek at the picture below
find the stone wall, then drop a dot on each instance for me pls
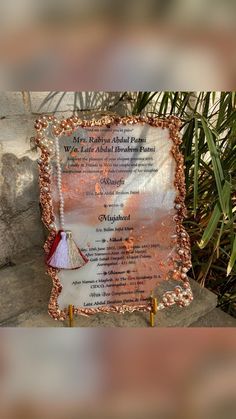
(20, 223)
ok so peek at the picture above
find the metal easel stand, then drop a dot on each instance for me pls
(153, 312)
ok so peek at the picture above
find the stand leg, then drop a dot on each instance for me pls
(152, 319)
(153, 311)
(70, 310)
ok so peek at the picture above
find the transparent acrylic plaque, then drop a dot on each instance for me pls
(123, 188)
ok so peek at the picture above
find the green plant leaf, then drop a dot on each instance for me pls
(218, 171)
(215, 217)
(196, 166)
(142, 101)
(232, 258)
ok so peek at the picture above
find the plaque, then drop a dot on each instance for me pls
(112, 190)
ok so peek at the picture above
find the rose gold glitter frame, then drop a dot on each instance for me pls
(180, 295)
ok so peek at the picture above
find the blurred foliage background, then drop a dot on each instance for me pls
(209, 147)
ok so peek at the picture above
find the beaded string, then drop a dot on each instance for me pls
(59, 185)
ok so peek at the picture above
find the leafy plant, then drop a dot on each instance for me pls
(209, 148)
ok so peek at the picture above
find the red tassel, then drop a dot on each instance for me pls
(54, 245)
(64, 253)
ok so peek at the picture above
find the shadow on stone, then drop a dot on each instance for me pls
(20, 223)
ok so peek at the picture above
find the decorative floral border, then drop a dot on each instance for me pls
(181, 296)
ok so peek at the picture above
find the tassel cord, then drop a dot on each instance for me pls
(64, 253)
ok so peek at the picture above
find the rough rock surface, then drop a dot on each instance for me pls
(25, 291)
